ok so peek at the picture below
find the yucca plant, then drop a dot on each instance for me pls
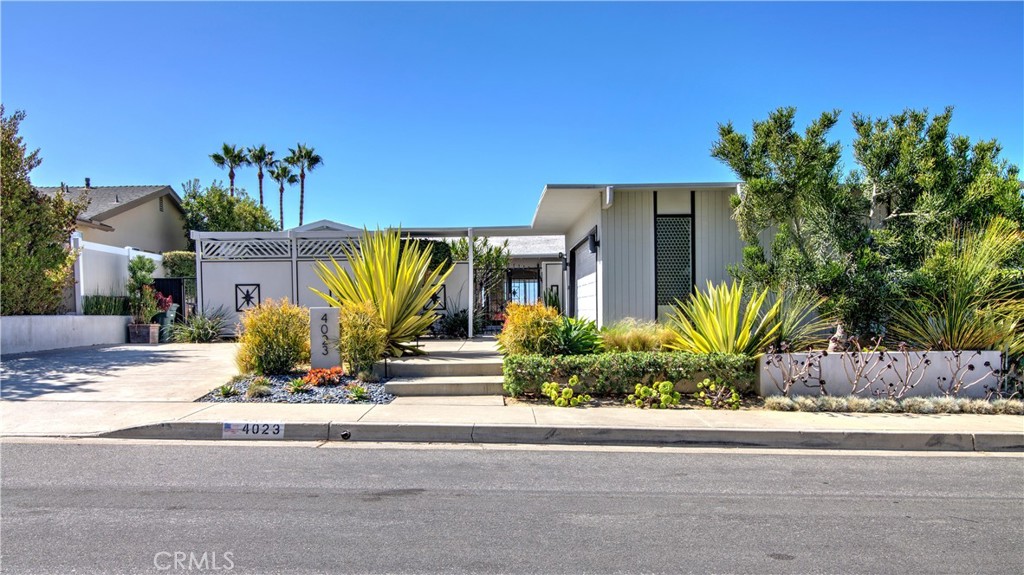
(971, 301)
(724, 319)
(397, 280)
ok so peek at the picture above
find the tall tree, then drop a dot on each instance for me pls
(230, 157)
(305, 159)
(214, 210)
(261, 157)
(282, 174)
(860, 240)
(35, 259)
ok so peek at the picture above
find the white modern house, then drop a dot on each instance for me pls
(623, 250)
(633, 249)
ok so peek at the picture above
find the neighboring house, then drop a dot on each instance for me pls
(148, 218)
(633, 249)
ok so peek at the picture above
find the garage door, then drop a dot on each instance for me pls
(585, 281)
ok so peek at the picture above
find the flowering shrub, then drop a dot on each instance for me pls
(318, 377)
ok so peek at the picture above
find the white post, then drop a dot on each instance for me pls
(472, 298)
(76, 244)
(199, 276)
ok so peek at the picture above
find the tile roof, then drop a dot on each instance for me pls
(107, 201)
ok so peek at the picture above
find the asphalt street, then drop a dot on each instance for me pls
(149, 507)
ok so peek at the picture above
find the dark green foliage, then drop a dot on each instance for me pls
(574, 336)
(203, 327)
(658, 395)
(859, 240)
(440, 254)
(616, 374)
(35, 259)
(105, 305)
(454, 322)
(141, 297)
(216, 210)
(180, 264)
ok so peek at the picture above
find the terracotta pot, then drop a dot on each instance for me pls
(143, 333)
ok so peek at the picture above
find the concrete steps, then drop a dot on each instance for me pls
(449, 368)
(445, 385)
(440, 365)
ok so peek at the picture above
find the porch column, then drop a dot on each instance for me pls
(472, 298)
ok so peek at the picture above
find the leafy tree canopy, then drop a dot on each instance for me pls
(859, 239)
(214, 209)
(36, 259)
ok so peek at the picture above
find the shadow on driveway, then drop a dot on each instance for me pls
(32, 375)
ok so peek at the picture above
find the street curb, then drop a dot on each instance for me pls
(583, 435)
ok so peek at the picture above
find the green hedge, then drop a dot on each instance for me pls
(618, 373)
(180, 264)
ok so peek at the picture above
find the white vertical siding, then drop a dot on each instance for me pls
(627, 245)
(718, 243)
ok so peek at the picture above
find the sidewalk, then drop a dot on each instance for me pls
(92, 393)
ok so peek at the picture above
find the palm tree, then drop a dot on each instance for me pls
(261, 157)
(230, 157)
(304, 158)
(282, 173)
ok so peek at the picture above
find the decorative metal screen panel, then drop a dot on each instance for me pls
(673, 241)
(323, 247)
(246, 249)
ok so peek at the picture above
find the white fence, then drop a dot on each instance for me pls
(237, 273)
(103, 270)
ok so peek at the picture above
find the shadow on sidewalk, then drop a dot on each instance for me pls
(32, 375)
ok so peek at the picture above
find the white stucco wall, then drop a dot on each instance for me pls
(31, 333)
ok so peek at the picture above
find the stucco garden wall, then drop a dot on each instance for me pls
(30, 333)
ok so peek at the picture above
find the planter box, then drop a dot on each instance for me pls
(916, 373)
(143, 333)
(32, 333)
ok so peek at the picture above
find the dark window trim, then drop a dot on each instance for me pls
(693, 244)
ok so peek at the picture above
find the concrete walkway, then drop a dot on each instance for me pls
(148, 392)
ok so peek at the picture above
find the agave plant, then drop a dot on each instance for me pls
(725, 319)
(575, 336)
(972, 302)
(397, 280)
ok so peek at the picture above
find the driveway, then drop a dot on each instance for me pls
(160, 373)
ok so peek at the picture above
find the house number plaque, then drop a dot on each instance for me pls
(323, 337)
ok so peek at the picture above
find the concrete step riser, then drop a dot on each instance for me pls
(432, 389)
(398, 369)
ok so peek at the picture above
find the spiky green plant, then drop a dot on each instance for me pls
(724, 319)
(971, 302)
(397, 280)
(801, 326)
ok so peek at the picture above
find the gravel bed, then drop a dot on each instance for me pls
(321, 394)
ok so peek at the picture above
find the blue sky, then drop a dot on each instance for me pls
(445, 114)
